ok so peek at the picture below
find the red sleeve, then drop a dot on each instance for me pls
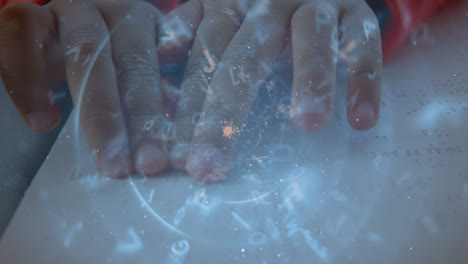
(5, 2)
(405, 16)
(163, 5)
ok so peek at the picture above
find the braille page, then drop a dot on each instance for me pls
(397, 193)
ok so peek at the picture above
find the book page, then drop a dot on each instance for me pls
(397, 193)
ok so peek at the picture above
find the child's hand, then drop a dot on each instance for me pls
(106, 49)
(236, 41)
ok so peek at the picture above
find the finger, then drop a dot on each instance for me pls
(133, 43)
(243, 68)
(176, 33)
(363, 55)
(201, 65)
(25, 32)
(91, 77)
(315, 46)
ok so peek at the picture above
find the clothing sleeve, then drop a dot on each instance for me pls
(3, 3)
(404, 17)
(401, 16)
(165, 5)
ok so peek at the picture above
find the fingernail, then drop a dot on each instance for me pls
(114, 166)
(150, 159)
(178, 155)
(206, 164)
(310, 113)
(365, 114)
(42, 121)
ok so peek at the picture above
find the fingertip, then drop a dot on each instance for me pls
(115, 166)
(43, 121)
(206, 164)
(113, 160)
(151, 159)
(364, 116)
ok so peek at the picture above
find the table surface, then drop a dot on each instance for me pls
(395, 194)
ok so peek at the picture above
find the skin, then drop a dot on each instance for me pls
(226, 48)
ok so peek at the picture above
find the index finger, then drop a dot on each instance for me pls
(92, 80)
(243, 68)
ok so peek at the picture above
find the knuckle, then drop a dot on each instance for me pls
(200, 64)
(318, 59)
(196, 81)
(241, 51)
(198, 74)
(137, 67)
(84, 43)
(244, 58)
(139, 74)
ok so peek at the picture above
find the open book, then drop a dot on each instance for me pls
(395, 194)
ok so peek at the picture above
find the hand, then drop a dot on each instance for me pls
(237, 40)
(106, 50)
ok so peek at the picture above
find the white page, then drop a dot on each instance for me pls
(395, 194)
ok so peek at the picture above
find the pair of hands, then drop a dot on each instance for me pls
(111, 52)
